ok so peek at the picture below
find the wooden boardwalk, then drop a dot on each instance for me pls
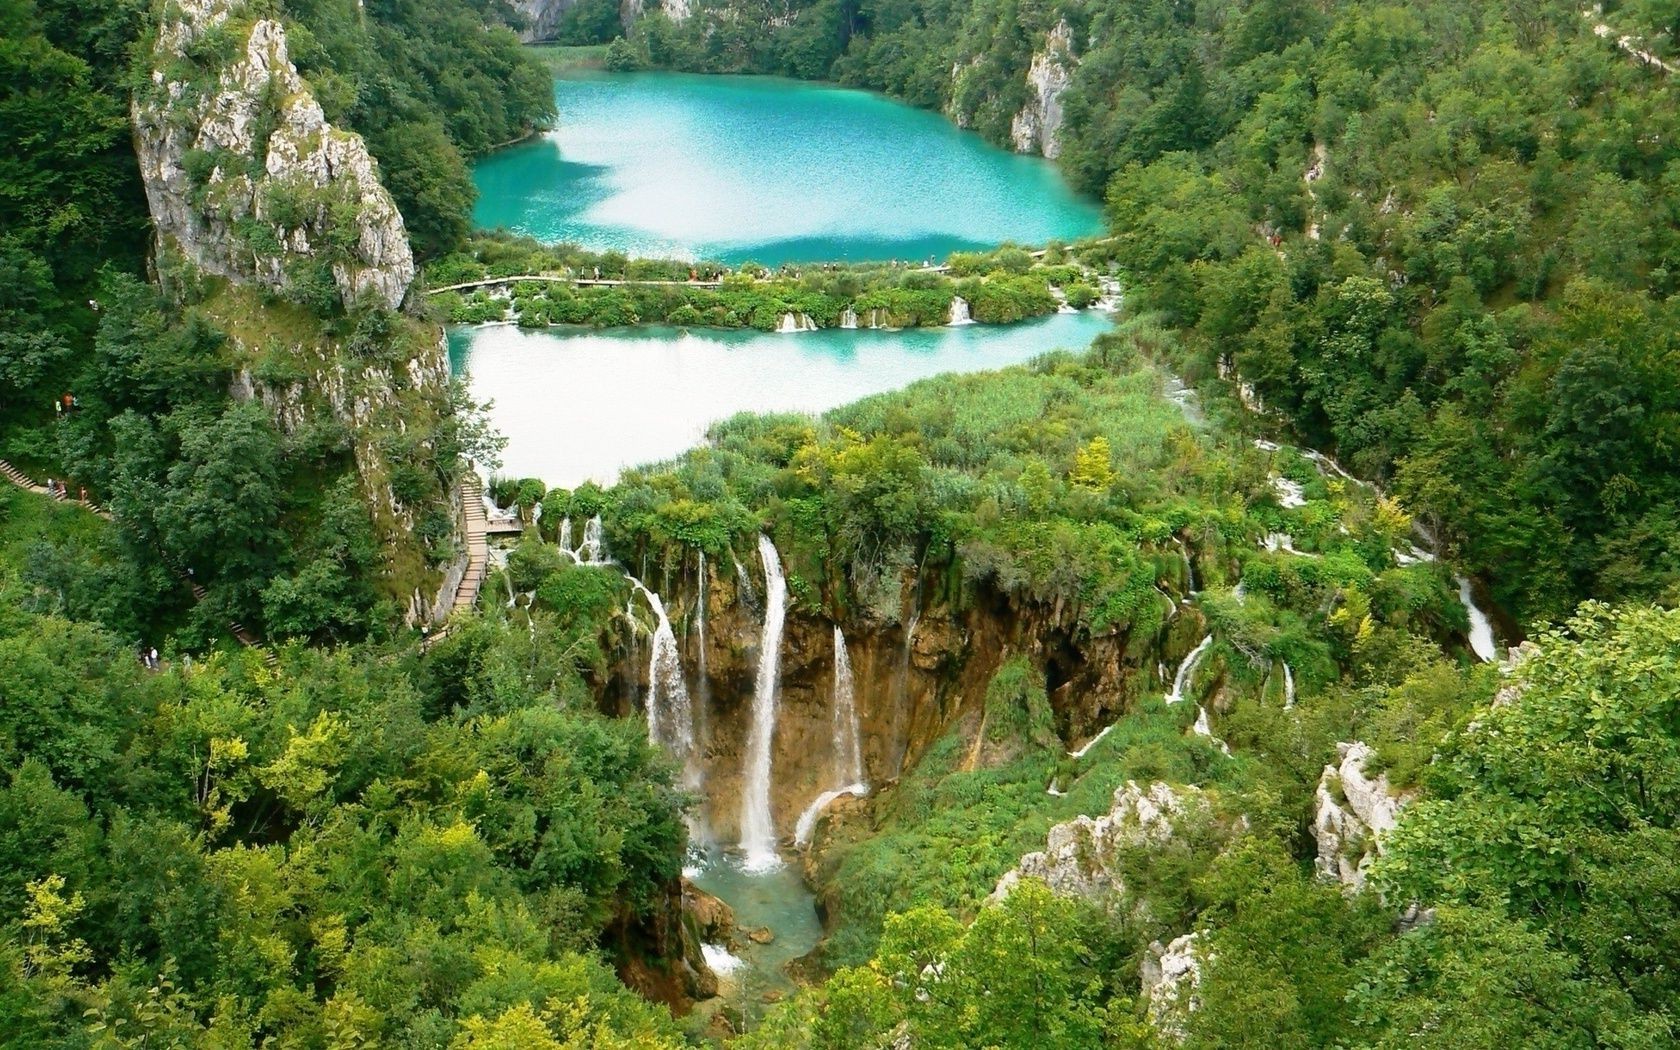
(478, 548)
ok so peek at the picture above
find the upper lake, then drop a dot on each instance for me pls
(769, 170)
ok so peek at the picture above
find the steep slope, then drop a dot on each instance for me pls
(248, 183)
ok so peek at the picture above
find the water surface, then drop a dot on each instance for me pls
(580, 405)
(737, 168)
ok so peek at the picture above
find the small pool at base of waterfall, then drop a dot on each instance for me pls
(777, 900)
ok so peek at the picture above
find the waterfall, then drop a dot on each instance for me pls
(758, 832)
(1204, 729)
(1182, 678)
(874, 317)
(566, 535)
(849, 319)
(1290, 494)
(591, 553)
(793, 324)
(744, 586)
(848, 749)
(1189, 566)
(1481, 631)
(700, 618)
(670, 714)
(1288, 686)
(1089, 744)
(807, 823)
(959, 312)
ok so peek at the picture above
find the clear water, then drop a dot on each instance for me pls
(775, 899)
(738, 168)
(578, 405)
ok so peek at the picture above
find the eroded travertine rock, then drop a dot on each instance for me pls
(1081, 857)
(243, 173)
(1037, 127)
(1354, 810)
(1170, 975)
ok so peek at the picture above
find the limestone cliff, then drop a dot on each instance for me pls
(1353, 811)
(541, 17)
(1169, 976)
(1082, 857)
(243, 173)
(249, 185)
(1037, 127)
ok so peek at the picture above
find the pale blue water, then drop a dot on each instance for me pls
(738, 168)
(577, 404)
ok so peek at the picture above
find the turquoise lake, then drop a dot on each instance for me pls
(738, 168)
(580, 405)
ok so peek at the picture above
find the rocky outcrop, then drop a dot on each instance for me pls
(1170, 975)
(1037, 127)
(1082, 857)
(541, 17)
(1354, 810)
(247, 181)
(242, 172)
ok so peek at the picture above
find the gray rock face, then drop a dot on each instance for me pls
(1037, 128)
(1169, 975)
(244, 174)
(542, 17)
(1081, 857)
(1354, 810)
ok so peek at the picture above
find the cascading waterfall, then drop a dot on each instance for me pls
(849, 319)
(591, 553)
(1481, 629)
(744, 586)
(848, 746)
(1189, 566)
(566, 535)
(700, 618)
(793, 324)
(959, 312)
(1182, 678)
(848, 750)
(1288, 686)
(1203, 728)
(758, 832)
(670, 713)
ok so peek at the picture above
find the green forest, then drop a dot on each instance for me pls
(261, 786)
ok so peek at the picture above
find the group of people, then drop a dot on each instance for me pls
(67, 403)
(61, 490)
(149, 657)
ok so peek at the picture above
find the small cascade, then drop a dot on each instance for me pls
(1288, 686)
(744, 586)
(1182, 679)
(959, 312)
(1089, 744)
(670, 713)
(1189, 566)
(1062, 305)
(566, 536)
(849, 319)
(793, 324)
(807, 824)
(719, 959)
(758, 832)
(1204, 729)
(1055, 789)
(700, 617)
(1240, 593)
(848, 747)
(874, 317)
(1108, 301)
(1481, 629)
(848, 750)
(1290, 494)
